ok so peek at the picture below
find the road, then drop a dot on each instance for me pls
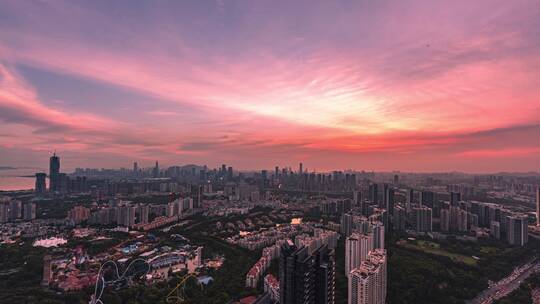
(506, 285)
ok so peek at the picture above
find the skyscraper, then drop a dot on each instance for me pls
(300, 169)
(54, 171)
(135, 167)
(306, 278)
(155, 171)
(41, 183)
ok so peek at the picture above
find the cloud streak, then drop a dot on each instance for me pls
(281, 80)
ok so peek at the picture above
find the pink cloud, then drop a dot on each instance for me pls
(510, 152)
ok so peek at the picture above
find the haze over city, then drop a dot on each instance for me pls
(374, 85)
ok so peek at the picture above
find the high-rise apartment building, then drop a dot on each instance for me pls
(373, 193)
(400, 218)
(144, 211)
(306, 278)
(427, 198)
(378, 230)
(29, 211)
(517, 230)
(47, 271)
(410, 198)
(4, 211)
(357, 247)
(445, 220)
(79, 214)
(125, 216)
(455, 198)
(367, 284)
(389, 199)
(423, 219)
(15, 209)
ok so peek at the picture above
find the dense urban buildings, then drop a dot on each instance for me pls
(297, 226)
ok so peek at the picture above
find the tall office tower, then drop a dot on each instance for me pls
(445, 220)
(155, 171)
(367, 284)
(230, 173)
(424, 220)
(538, 206)
(144, 211)
(389, 200)
(373, 193)
(41, 183)
(276, 172)
(300, 169)
(135, 167)
(517, 230)
(377, 229)
(223, 170)
(47, 271)
(455, 198)
(396, 180)
(15, 209)
(427, 198)
(306, 278)
(357, 247)
(29, 211)
(4, 211)
(54, 171)
(410, 198)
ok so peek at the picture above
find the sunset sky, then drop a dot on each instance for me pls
(375, 85)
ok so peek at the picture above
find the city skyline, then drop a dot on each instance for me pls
(415, 86)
